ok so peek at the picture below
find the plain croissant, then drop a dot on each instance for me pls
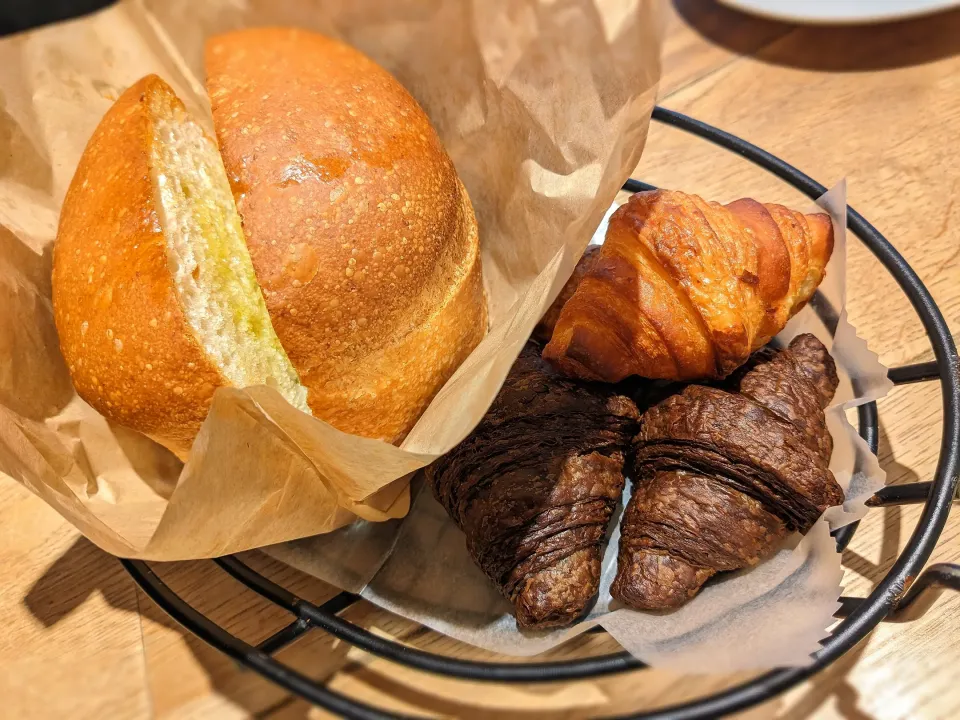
(722, 475)
(685, 289)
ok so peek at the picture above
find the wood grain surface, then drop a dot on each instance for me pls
(879, 106)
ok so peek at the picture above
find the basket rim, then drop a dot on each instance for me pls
(861, 620)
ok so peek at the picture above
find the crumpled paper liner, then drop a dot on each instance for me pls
(772, 615)
(544, 110)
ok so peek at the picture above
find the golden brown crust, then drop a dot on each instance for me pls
(385, 393)
(361, 234)
(773, 261)
(773, 257)
(684, 289)
(544, 329)
(122, 331)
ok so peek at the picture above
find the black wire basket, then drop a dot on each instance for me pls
(903, 584)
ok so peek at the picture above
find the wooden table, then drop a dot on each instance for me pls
(880, 106)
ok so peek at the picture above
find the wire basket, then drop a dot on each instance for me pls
(903, 584)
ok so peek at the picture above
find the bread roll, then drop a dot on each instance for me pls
(362, 236)
(154, 295)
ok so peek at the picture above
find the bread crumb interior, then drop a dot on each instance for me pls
(209, 259)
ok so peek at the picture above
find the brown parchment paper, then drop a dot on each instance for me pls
(543, 107)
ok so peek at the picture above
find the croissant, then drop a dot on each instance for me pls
(534, 487)
(685, 289)
(544, 329)
(722, 475)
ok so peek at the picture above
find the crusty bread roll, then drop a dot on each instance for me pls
(362, 236)
(154, 295)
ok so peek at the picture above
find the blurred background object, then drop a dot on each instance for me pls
(17, 15)
(847, 12)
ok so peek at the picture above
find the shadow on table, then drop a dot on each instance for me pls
(834, 683)
(184, 674)
(892, 530)
(84, 570)
(827, 48)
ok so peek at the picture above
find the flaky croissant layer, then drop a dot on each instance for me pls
(686, 289)
(723, 474)
(534, 487)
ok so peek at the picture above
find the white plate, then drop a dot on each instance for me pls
(840, 11)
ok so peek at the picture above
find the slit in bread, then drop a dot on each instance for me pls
(209, 261)
(154, 293)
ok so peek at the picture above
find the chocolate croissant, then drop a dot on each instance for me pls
(723, 475)
(685, 289)
(534, 487)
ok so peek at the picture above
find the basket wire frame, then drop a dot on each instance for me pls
(903, 592)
